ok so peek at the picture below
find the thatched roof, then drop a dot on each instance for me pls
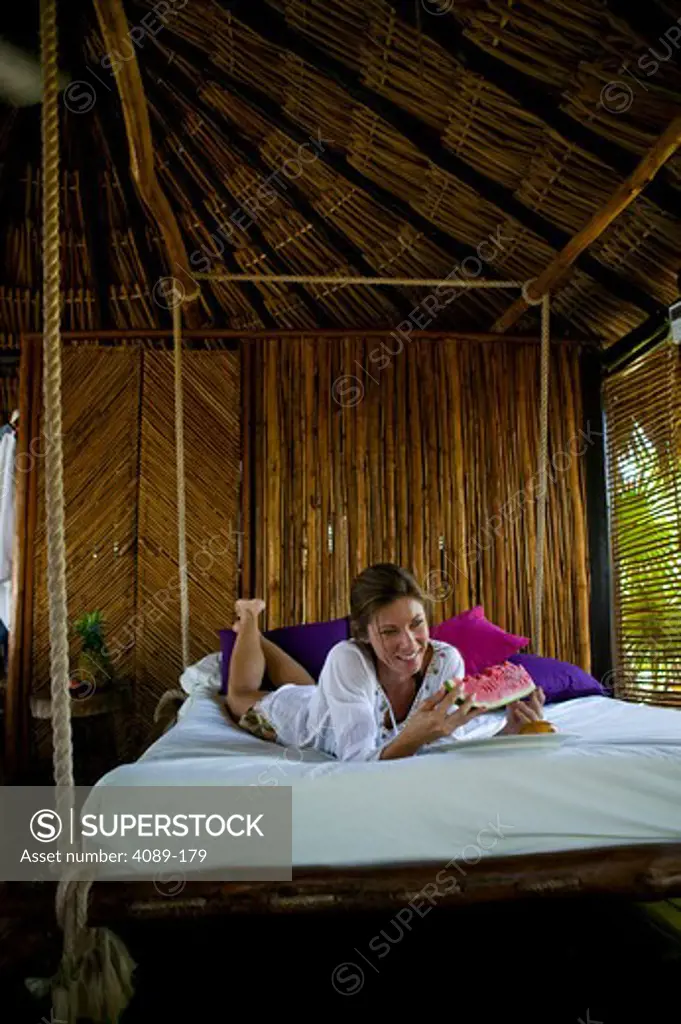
(403, 137)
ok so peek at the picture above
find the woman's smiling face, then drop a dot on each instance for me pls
(399, 636)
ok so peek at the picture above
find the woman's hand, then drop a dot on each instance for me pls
(521, 712)
(432, 720)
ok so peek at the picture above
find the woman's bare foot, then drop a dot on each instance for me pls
(246, 609)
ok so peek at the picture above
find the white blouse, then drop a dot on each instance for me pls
(344, 715)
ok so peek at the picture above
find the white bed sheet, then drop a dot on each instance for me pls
(617, 782)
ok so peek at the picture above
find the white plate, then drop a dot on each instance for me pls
(533, 740)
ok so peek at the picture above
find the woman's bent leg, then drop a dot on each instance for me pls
(247, 664)
(282, 668)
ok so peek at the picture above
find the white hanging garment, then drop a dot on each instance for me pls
(8, 445)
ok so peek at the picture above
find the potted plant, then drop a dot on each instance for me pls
(94, 670)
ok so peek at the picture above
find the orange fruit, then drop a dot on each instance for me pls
(532, 727)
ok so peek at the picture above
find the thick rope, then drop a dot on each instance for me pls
(166, 698)
(54, 476)
(95, 981)
(527, 297)
(543, 470)
(94, 975)
(181, 502)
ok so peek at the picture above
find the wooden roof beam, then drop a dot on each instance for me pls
(623, 196)
(641, 339)
(270, 25)
(116, 34)
(523, 89)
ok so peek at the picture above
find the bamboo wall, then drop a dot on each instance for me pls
(426, 457)
(353, 454)
(121, 516)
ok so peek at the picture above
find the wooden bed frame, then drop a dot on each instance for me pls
(645, 872)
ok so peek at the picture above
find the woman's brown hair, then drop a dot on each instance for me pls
(376, 587)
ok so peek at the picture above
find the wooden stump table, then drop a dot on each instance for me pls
(95, 739)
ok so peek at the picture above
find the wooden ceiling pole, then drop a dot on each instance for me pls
(116, 33)
(623, 196)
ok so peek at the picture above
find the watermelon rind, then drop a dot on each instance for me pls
(510, 699)
(494, 705)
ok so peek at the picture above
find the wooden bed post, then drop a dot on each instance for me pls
(19, 671)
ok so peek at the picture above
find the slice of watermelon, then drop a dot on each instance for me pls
(496, 687)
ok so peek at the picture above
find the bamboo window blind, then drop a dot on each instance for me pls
(643, 410)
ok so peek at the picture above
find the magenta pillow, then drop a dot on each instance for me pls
(560, 680)
(479, 641)
(309, 643)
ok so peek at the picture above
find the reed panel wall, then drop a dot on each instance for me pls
(426, 455)
(100, 403)
(121, 516)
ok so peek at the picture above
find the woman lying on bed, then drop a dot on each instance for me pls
(379, 696)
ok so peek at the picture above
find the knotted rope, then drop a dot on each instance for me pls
(54, 475)
(94, 976)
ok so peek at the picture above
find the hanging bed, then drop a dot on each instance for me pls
(595, 814)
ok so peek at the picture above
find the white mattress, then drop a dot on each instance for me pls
(617, 781)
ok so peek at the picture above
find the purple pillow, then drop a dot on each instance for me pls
(308, 643)
(480, 642)
(559, 680)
